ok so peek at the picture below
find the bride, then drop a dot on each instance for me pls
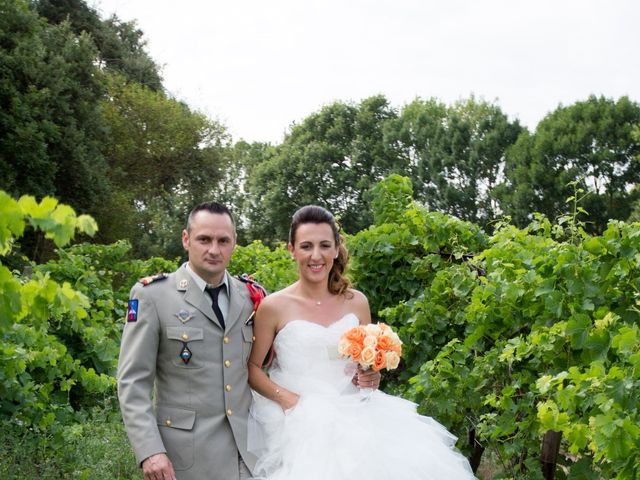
(308, 418)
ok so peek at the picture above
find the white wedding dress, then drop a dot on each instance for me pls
(332, 433)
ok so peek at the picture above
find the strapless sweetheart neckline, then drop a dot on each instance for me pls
(325, 327)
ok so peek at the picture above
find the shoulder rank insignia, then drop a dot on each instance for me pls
(153, 278)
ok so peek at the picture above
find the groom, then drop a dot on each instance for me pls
(182, 371)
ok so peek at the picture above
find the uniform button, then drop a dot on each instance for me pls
(185, 336)
(253, 338)
(168, 422)
(227, 363)
(228, 388)
(225, 339)
(229, 412)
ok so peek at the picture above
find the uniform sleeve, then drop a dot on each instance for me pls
(136, 375)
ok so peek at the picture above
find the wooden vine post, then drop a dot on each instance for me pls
(477, 450)
(549, 456)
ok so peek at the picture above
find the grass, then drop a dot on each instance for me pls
(97, 449)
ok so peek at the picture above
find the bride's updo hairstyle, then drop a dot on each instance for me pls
(338, 283)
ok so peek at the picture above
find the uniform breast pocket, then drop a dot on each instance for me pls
(188, 345)
(247, 342)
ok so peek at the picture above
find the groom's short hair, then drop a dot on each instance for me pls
(211, 207)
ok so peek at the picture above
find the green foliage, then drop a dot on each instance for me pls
(60, 325)
(120, 45)
(394, 261)
(537, 331)
(37, 370)
(95, 447)
(104, 274)
(331, 159)
(390, 198)
(538, 351)
(591, 142)
(123, 50)
(453, 154)
(272, 268)
(244, 158)
(163, 158)
(51, 129)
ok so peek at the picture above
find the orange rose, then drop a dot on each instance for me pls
(355, 350)
(356, 334)
(397, 349)
(384, 343)
(379, 362)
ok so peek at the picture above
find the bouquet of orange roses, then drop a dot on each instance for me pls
(374, 346)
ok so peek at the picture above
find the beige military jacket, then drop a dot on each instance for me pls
(195, 411)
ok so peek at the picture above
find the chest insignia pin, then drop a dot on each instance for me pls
(185, 353)
(183, 316)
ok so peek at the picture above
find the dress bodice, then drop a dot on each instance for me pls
(307, 356)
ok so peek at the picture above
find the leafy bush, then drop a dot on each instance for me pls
(537, 332)
(273, 269)
(60, 325)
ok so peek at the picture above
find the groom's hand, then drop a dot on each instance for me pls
(158, 467)
(366, 378)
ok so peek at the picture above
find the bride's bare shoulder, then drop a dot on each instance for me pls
(277, 299)
(359, 305)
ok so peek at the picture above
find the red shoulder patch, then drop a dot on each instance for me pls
(256, 291)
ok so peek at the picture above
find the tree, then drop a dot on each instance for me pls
(589, 142)
(121, 47)
(232, 191)
(163, 158)
(122, 50)
(50, 125)
(454, 154)
(77, 13)
(332, 158)
(635, 193)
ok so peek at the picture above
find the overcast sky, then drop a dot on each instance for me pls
(260, 65)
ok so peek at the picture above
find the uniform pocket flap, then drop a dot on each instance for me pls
(185, 334)
(175, 417)
(247, 333)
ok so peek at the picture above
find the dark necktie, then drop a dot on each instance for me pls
(213, 293)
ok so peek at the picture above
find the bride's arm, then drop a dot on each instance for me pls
(264, 329)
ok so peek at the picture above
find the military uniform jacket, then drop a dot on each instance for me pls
(199, 411)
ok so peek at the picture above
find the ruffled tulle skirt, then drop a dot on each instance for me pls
(343, 437)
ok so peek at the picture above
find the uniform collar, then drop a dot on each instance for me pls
(202, 284)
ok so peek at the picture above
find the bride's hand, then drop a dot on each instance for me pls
(367, 378)
(287, 399)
